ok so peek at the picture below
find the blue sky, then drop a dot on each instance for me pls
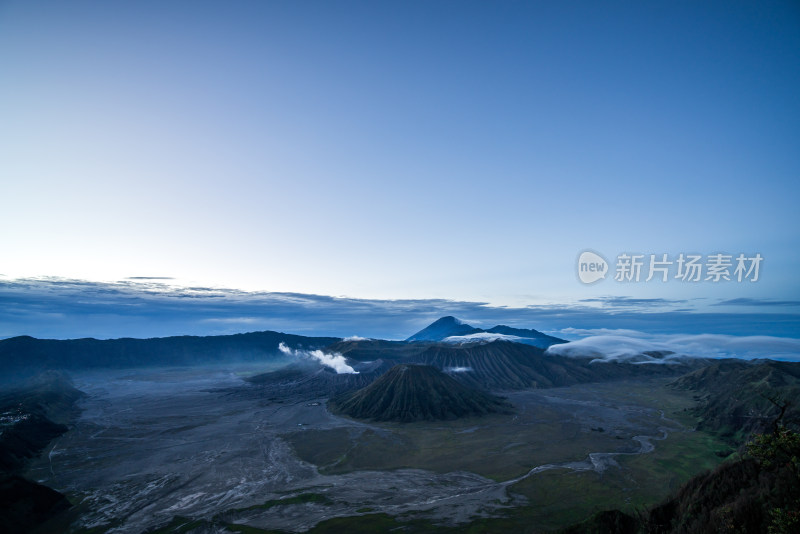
(437, 151)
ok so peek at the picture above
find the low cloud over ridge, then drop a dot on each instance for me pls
(630, 345)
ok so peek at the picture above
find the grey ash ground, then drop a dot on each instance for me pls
(204, 444)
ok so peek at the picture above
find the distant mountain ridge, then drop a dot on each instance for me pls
(28, 354)
(500, 358)
(450, 327)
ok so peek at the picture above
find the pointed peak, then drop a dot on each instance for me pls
(442, 328)
(447, 319)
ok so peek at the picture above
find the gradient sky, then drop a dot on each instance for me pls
(387, 150)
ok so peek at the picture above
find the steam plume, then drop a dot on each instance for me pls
(335, 361)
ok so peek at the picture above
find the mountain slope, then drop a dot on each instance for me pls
(311, 379)
(409, 393)
(34, 414)
(442, 328)
(503, 365)
(26, 353)
(734, 395)
(527, 334)
(757, 493)
(507, 365)
(450, 327)
(366, 350)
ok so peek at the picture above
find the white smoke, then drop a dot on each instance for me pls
(335, 361)
(627, 345)
(356, 338)
(458, 369)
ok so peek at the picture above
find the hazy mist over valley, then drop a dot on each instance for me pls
(448, 429)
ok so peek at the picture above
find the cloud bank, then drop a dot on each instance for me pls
(65, 309)
(335, 361)
(632, 346)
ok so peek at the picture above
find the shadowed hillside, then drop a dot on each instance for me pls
(504, 365)
(311, 379)
(31, 416)
(734, 396)
(757, 491)
(757, 494)
(507, 365)
(409, 393)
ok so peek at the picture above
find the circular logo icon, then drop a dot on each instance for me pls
(591, 267)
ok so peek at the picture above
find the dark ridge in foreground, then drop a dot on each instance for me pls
(31, 416)
(758, 493)
(26, 505)
(407, 393)
(755, 491)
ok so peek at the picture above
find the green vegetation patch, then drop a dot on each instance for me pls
(502, 447)
(559, 498)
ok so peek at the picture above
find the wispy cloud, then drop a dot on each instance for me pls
(59, 308)
(757, 302)
(618, 302)
(236, 320)
(583, 332)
